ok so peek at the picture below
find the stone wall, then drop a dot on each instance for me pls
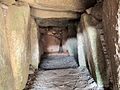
(19, 39)
(111, 30)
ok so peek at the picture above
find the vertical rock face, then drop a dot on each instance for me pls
(17, 31)
(6, 75)
(35, 48)
(81, 51)
(8, 2)
(96, 60)
(110, 21)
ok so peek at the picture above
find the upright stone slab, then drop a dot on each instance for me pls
(95, 56)
(35, 50)
(6, 75)
(17, 33)
(7, 2)
(81, 48)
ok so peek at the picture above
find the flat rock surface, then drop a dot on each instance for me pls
(58, 62)
(64, 79)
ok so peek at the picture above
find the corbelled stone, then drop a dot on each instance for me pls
(17, 32)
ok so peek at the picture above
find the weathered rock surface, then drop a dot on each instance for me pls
(71, 46)
(35, 48)
(111, 22)
(17, 32)
(39, 13)
(6, 74)
(81, 47)
(50, 39)
(64, 79)
(7, 2)
(96, 59)
(61, 5)
(58, 62)
(96, 11)
(55, 22)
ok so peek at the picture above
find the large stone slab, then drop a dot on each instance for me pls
(6, 74)
(17, 32)
(61, 5)
(39, 13)
(35, 50)
(7, 2)
(96, 59)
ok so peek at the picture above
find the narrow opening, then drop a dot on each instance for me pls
(59, 46)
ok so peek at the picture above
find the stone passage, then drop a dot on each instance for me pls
(64, 79)
(58, 62)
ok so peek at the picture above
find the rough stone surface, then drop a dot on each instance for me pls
(6, 75)
(71, 46)
(58, 62)
(39, 13)
(50, 39)
(35, 50)
(55, 22)
(17, 32)
(96, 11)
(80, 46)
(96, 59)
(61, 5)
(64, 79)
(111, 30)
(7, 2)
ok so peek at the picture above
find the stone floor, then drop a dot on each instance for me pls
(64, 79)
(58, 62)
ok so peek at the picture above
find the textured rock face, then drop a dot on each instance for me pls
(61, 5)
(96, 59)
(17, 32)
(71, 46)
(7, 2)
(35, 48)
(96, 11)
(64, 79)
(6, 75)
(110, 21)
(39, 13)
(58, 8)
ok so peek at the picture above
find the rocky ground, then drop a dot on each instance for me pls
(62, 79)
